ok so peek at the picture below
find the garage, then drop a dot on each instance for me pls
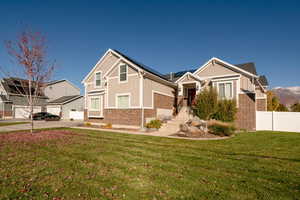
(23, 112)
(55, 110)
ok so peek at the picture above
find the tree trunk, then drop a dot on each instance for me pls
(31, 106)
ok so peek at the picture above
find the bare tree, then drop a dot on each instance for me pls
(29, 51)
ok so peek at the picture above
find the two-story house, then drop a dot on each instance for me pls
(56, 97)
(126, 93)
(63, 97)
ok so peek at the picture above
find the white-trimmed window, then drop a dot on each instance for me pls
(123, 73)
(225, 90)
(95, 103)
(123, 101)
(98, 79)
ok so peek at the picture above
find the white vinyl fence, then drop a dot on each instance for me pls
(76, 115)
(278, 121)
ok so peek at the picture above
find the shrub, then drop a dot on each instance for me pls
(226, 111)
(154, 124)
(221, 128)
(108, 125)
(205, 104)
(87, 124)
(295, 107)
(282, 108)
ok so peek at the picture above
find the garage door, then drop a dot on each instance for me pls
(55, 110)
(22, 112)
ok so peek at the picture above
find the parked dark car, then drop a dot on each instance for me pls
(45, 116)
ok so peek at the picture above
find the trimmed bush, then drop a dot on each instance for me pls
(221, 128)
(226, 111)
(154, 124)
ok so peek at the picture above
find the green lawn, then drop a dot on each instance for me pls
(102, 165)
(11, 123)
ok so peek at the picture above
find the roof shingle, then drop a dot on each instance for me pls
(64, 99)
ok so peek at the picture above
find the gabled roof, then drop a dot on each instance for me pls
(176, 75)
(133, 63)
(234, 67)
(64, 99)
(54, 82)
(249, 67)
(14, 85)
(188, 74)
(141, 65)
(263, 80)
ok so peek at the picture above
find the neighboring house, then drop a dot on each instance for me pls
(14, 98)
(124, 92)
(63, 105)
(57, 97)
(64, 97)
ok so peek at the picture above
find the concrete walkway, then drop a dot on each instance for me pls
(39, 125)
(147, 133)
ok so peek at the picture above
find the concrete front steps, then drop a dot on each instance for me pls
(172, 126)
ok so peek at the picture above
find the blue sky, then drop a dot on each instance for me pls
(167, 35)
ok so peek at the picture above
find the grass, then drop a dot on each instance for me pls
(103, 165)
(11, 123)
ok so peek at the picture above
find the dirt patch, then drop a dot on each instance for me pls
(206, 135)
(27, 137)
(103, 127)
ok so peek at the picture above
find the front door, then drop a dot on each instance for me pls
(191, 95)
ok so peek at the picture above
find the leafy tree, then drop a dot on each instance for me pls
(295, 107)
(206, 103)
(282, 108)
(272, 101)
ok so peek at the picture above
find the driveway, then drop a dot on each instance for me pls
(40, 124)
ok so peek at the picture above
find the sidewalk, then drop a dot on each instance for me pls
(147, 134)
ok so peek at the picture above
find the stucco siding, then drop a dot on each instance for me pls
(215, 69)
(150, 86)
(132, 87)
(60, 89)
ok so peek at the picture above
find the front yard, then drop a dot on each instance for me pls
(84, 164)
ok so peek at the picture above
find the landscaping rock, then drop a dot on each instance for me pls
(184, 127)
(194, 132)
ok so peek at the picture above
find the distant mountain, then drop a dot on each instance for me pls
(288, 96)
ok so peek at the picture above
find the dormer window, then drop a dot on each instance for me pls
(123, 73)
(98, 79)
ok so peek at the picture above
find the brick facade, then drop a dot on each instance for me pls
(6, 113)
(261, 104)
(132, 117)
(246, 115)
